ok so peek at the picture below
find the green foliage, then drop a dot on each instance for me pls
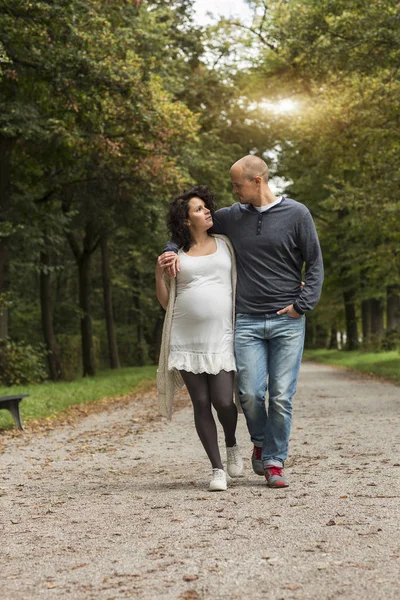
(339, 149)
(96, 133)
(21, 363)
(25, 317)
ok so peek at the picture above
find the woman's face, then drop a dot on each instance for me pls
(199, 216)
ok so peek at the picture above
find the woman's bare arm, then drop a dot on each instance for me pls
(162, 291)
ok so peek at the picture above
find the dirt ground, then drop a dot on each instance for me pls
(116, 505)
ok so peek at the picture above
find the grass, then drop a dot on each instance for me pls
(49, 399)
(383, 364)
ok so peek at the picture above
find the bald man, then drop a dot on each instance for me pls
(273, 239)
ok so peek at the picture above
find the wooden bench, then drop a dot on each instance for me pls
(11, 403)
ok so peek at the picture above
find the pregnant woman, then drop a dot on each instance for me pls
(197, 343)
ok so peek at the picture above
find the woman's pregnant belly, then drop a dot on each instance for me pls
(203, 303)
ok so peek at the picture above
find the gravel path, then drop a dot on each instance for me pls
(118, 507)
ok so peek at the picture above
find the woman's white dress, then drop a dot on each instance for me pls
(202, 329)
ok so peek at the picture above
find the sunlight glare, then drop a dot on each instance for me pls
(285, 105)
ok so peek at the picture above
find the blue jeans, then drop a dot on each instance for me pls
(268, 347)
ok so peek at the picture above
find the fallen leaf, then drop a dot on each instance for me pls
(79, 566)
(331, 522)
(291, 586)
(190, 577)
(190, 595)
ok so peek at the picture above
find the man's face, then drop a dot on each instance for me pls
(244, 188)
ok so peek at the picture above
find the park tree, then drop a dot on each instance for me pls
(87, 112)
(339, 62)
(106, 115)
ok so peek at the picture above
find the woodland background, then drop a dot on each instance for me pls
(110, 108)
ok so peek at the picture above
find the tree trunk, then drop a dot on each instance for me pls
(309, 340)
(136, 276)
(4, 284)
(156, 335)
(333, 344)
(83, 261)
(351, 319)
(366, 321)
(393, 308)
(376, 321)
(53, 358)
(88, 362)
(108, 306)
(321, 336)
(6, 145)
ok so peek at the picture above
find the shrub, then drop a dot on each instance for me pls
(71, 355)
(131, 351)
(21, 363)
(391, 341)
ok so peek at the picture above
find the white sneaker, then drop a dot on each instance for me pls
(234, 461)
(218, 481)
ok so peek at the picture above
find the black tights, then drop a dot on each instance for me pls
(216, 390)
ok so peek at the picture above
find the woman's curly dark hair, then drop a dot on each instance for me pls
(179, 212)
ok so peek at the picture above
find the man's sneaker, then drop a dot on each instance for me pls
(256, 461)
(218, 481)
(275, 477)
(234, 461)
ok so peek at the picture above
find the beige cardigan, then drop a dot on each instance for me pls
(168, 382)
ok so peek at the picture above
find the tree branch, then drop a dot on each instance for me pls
(256, 33)
(263, 17)
(44, 198)
(73, 244)
(95, 245)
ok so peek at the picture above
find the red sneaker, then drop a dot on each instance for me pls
(275, 477)
(256, 461)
